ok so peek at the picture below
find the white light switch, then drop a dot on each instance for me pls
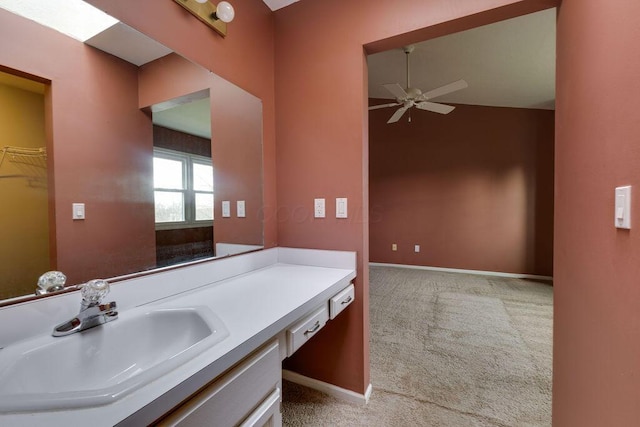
(78, 211)
(226, 209)
(623, 207)
(341, 207)
(240, 209)
(318, 208)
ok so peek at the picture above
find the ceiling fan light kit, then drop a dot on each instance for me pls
(414, 97)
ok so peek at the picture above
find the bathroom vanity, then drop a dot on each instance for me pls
(214, 335)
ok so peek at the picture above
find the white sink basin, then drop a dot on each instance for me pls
(102, 364)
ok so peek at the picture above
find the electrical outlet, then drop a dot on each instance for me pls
(226, 208)
(417, 248)
(318, 208)
(394, 247)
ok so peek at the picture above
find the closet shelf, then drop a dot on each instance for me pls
(30, 163)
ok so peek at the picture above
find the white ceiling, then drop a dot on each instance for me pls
(278, 4)
(507, 64)
(193, 118)
(74, 18)
(126, 43)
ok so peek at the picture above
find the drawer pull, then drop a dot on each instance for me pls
(312, 330)
(347, 301)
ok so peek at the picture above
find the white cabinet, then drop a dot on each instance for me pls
(248, 395)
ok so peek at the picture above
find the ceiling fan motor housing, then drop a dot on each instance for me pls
(413, 92)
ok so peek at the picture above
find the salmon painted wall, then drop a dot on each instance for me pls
(99, 144)
(24, 220)
(236, 140)
(236, 123)
(322, 148)
(596, 370)
(473, 188)
(245, 57)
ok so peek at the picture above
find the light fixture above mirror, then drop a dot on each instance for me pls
(216, 17)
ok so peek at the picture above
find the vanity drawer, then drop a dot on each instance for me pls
(267, 414)
(341, 301)
(302, 331)
(233, 397)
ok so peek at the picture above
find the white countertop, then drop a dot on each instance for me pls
(254, 306)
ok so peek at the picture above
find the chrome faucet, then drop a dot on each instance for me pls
(92, 313)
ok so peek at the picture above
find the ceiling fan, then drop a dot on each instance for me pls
(413, 97)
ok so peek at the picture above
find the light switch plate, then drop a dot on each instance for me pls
(622, 213)
(240, 209)
(226, 209)
(78, 211)
(318, 208)
(341, 207)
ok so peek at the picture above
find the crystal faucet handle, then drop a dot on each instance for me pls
(94, 290)
(51, 281)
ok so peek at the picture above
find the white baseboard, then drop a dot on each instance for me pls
(330, 389)
(457, 270)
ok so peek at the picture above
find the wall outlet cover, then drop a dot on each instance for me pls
(226, 209)
(318, 208)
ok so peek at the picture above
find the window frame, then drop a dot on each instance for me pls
(188, 192)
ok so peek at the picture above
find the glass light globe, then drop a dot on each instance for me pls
(202, 1)
(225, 12)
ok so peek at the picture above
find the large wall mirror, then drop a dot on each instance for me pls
(112, 166)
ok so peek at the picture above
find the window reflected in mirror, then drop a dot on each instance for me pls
(183, 188)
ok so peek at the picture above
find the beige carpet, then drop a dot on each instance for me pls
(447, 350)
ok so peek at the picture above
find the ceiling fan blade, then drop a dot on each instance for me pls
(435, 107)
(443, 90)
(396, 90)
(376, 107)
(396, 116)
